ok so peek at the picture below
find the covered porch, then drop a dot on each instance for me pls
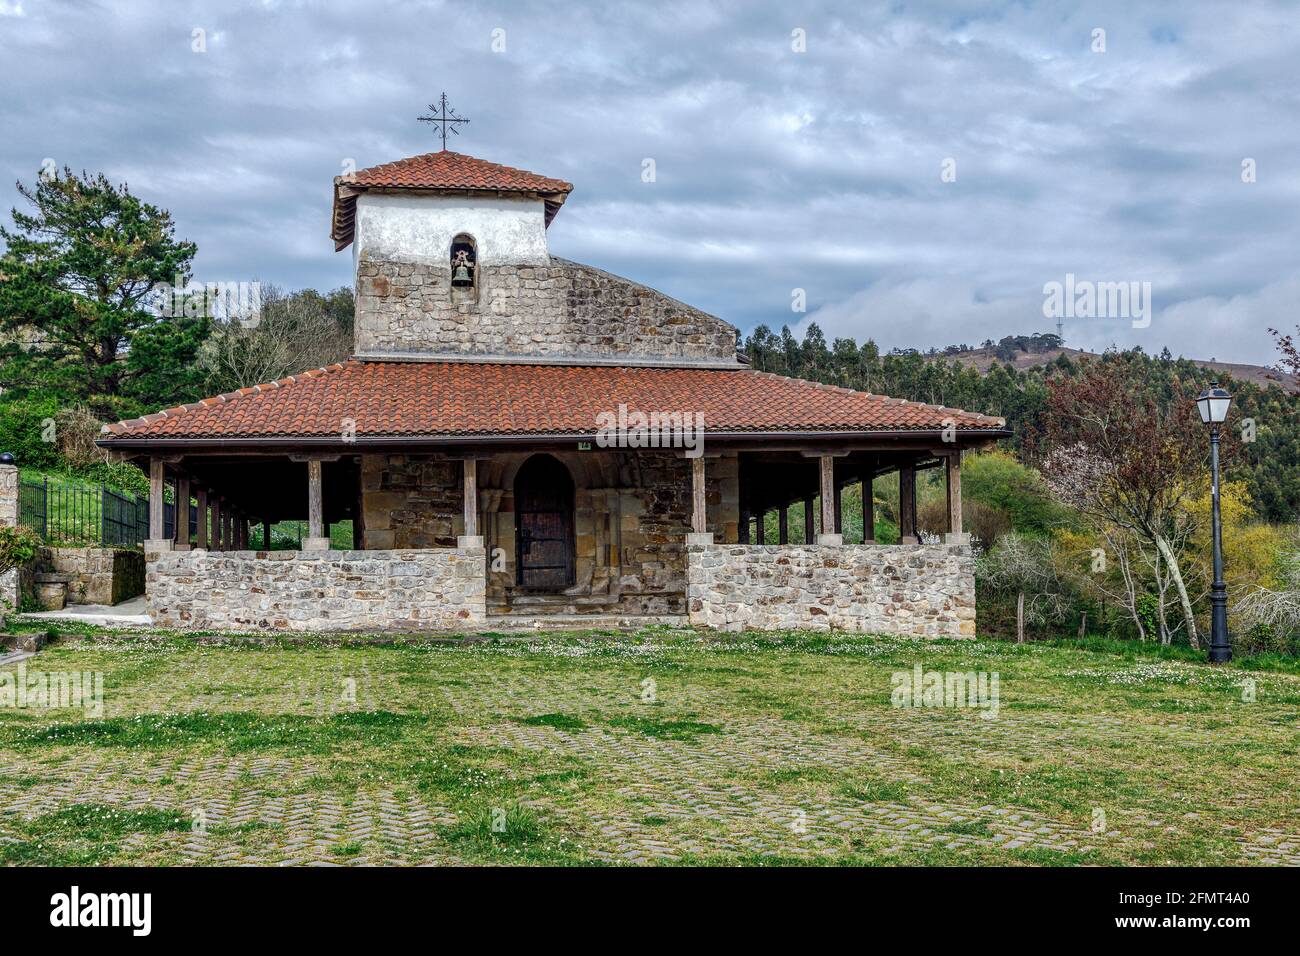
(553, 530)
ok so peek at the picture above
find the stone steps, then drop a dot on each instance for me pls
(525, 621)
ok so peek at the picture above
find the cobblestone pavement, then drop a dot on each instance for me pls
(739, 779)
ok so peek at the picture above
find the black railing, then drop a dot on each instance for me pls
(71, 513)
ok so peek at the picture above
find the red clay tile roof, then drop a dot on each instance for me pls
(438, 171)
(448, 170)
(442, 399)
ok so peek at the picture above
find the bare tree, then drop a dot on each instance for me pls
(1276, 608)
(287, 334)
(1026, 567)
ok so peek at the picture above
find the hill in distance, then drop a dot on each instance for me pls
(984, 358)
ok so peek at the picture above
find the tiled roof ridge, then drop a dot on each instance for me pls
(124, 427)
(541, 182)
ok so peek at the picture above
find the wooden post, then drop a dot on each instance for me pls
(868, 512)
(201, 504)
(471, 497)
(783, 524)
(157, 520)
(760, 529)
(809, 521)
(830, 529)
(266, 534)
(907, 505)
(742, 532)
(227, 528)
(955, 535)
(182, 513)
(839, 511)
(699, 502)
(218, 542)
(315, 540)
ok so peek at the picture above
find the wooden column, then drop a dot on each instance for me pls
(760, 529)
(315, 540)
(201, 504)
(227, 528)
(954, 497)
(868, 512)
(830, 529)
(266, 534)
(471, 497)
(699, 500)
(742, 532)
(183, 513)
(783, 524)
(907, 505)
(839, 511)
(809, 521)
(218, 542)
(157, 516)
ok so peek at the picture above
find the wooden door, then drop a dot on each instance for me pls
(544, 546)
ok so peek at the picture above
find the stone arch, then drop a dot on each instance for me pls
(463, 263)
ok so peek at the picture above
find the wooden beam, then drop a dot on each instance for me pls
(954, 493)
(828, 494)
(470, 470)
(868, 511)
(907, 505)
(839, 511)
(809, 521)
(783, 524)
(315, 519)
(218, 542)
(760, 529)
(157, 489)
(699, 501)
(183, 513)
(201, 498)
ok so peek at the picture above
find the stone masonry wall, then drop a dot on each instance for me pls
(317, 590)
(100, 575)
(915, 590)
(563, 309)
(411, 501)
(8, 518)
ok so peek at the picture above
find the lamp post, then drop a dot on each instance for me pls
(1213, 404)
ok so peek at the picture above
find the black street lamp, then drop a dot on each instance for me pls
(1213, 405)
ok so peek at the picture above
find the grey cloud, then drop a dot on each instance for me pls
(776, 170)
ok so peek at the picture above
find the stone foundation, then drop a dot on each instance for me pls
(913, 590)
(316, 591)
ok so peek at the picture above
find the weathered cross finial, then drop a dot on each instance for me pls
(443, 116)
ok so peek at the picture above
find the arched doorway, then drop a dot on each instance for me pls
(544, 546)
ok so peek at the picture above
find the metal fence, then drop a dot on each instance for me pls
(72, 513)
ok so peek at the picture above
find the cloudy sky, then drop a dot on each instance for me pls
(777, 168)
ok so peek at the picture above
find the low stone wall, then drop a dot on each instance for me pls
(99, 575)
(916, 590)
(317, 590)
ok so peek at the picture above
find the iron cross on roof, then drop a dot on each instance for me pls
(443, 116)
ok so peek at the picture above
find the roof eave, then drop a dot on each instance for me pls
(386, 441)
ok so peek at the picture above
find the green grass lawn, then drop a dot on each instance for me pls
(662, 747)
